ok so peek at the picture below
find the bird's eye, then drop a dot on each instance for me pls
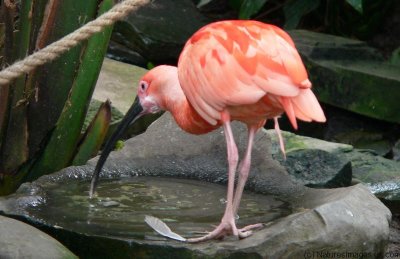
(143, 85)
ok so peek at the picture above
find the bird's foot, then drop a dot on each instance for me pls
(227, 229)
(249, 229)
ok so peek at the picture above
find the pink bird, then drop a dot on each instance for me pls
(229, 70)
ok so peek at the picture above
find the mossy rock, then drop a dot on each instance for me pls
(312, 162)
(381, 175)
(348, 74)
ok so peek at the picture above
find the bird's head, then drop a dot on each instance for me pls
(156, 87)
(152, 94)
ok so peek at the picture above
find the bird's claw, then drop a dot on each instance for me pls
(248, 230)
(245, 234)
(251, 227)
(227, 229)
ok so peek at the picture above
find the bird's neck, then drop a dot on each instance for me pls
(183, 112)
(189, 120)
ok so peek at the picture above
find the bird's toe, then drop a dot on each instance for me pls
(244, 234)
(252, 227)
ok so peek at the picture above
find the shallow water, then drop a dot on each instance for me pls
(187, 206)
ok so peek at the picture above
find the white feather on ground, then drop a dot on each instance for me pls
(162, 228)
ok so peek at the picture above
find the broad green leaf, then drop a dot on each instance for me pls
(94, 106)
(94, 136)
(18, 45)
(14, 150)
(39, 9)
(53, 81)
(61, 147)
(5, 59)
(9, 183)
(356, 4)
(294, 10)
(250, 8)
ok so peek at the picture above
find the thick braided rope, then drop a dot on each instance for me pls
(57, 48)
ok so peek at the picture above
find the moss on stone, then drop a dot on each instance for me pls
(350, 75)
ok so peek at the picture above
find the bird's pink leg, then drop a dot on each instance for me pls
(278, 131)
(244, 170)
(227, 225)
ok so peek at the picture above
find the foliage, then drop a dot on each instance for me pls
(356, 4)
(294, 10)
(395, 58)
(356, 18)
(247, 8)
(94, 135)
(42, 113)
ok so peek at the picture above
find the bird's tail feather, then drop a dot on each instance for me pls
(304, 106)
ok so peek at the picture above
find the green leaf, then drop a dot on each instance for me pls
(9, 183)
(250, 8)
(294, 10)
(395, 57)
(94, 106)
(14, 150)
(356, 4)
(150, 65)
(119, 145)
(61, 147)
(53, 81)
(94, 136)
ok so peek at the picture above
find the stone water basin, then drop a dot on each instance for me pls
(187, 206)
(339, 220)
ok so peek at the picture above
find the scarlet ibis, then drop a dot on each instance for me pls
(228, 70)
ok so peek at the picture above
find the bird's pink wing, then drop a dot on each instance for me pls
(234, 63)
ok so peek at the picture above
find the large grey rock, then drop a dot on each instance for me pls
(333, 220)
(359, 131)
(317, 168)
(348, 74)
(20, 240)
(380, 175)
(313, 162)
(118, 82)
(396, 151)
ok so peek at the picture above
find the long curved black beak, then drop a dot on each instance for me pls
(134, 113)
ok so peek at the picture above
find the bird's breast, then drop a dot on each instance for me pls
(267, 107)
(190, 121)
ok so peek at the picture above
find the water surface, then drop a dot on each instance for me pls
(187, 206)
